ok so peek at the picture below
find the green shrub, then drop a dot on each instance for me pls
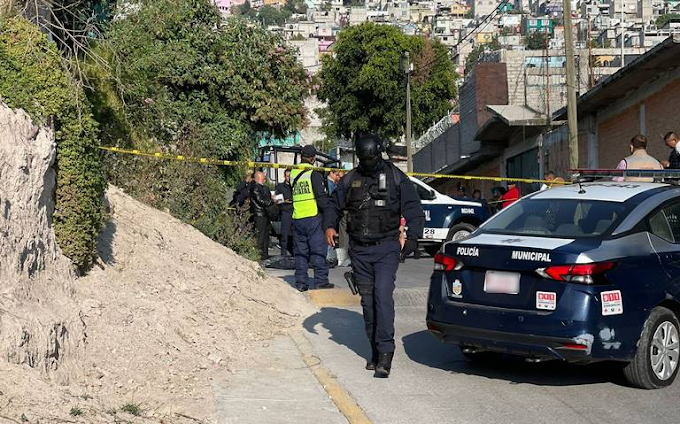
(132, 408)
(33, 77)
(197, 85)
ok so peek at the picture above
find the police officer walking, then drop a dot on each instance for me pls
(309, 202)
(376, 195)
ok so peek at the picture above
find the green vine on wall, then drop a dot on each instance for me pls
(33, 77)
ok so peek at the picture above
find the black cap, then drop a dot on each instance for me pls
(308, 151)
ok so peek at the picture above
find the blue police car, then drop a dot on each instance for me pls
(579, 273)
(447, 218)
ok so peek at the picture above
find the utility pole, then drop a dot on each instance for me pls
(591, 71)
(547, 79)
(572, 119)
(623, 32)
(409, 144)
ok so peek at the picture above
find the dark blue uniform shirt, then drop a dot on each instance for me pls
(410, 207)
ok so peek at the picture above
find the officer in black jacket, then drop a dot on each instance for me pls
(242, 191)
(260, 201)
(286, 208)
(376, 195)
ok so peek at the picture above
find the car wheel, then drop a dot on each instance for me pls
(432, 249)
(460, 231)
(655, 364)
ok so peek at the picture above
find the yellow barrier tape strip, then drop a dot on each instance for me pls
(251, 164)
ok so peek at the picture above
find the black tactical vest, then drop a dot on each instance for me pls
(373, 203)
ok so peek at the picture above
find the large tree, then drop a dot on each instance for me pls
(186, 81)
(365, 88)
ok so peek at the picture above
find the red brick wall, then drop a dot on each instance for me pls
(661, 116)
(492, 88)
(614, 136)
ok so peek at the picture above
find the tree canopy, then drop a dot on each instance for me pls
(295, 6)
(187, 73)
(196, 85)
(365, 88)
(536, 40)
(269, 15)
(662, 20)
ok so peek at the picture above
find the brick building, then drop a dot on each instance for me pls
(639, 99)
(498, 137)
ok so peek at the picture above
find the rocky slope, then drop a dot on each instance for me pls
(163, 309)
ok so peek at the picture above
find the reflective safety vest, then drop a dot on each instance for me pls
(304, 202)
(641, 160)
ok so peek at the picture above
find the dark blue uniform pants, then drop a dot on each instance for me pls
(286, 227)
(310, 246)
(375, 271)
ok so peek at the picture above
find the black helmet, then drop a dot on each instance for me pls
(369, 150)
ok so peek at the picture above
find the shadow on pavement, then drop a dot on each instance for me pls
(423, 348)
(346, 328)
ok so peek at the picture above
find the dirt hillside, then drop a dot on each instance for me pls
(163, 310)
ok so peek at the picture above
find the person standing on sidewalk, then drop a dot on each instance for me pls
(242, 191)
(638, 159)
(376, 195)
(286, 209)
(260, 201)
(510, 196)
(671, 139)
(309, 203)
(331, 183)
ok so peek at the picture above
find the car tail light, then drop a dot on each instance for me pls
(578, 273)
(446, 263)
(575, 346)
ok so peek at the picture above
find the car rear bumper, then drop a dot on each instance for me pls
(576, 331)
(539, 347)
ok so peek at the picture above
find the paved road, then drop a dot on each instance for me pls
(432, 382)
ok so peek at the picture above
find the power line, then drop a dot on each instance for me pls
(483, 23)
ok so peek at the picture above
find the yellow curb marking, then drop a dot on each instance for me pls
(333, 297)
(342, 399)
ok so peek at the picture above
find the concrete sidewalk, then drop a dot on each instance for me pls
(276, 385)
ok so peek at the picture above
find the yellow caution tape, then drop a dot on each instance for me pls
(252, 164)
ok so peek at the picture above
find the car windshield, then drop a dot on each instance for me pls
(564, 218)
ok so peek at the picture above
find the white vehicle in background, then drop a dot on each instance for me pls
(447, 218)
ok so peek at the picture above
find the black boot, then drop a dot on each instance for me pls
(371, 363)
(382, 369)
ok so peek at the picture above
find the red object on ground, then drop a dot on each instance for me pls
(510, 197)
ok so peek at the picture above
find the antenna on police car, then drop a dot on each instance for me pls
(576, 178)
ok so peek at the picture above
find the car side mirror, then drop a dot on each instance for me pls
(432, 196)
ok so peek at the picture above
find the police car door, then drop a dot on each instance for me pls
(428, 200)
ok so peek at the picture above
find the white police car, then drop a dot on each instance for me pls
(579, 273)
(447, 218)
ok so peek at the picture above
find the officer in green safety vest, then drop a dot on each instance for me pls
(309, 201)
